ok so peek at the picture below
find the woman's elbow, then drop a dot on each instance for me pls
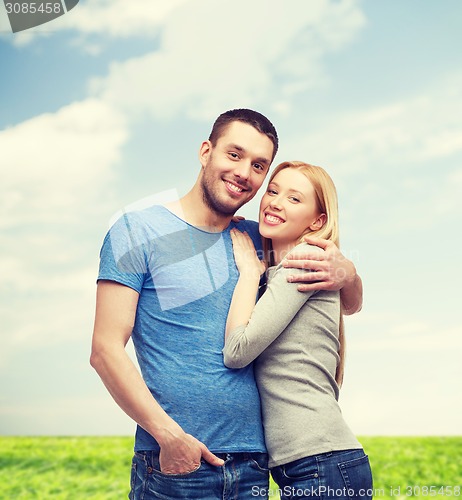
(233, 361)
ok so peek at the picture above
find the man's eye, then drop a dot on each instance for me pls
(234, 155)
(259, 167)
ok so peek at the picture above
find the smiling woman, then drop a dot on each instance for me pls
(288, 206)
(297, 341)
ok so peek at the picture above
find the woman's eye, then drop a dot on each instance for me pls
(293, 198)
(271, 191)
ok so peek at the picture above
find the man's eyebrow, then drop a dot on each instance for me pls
(237, 147)
(265, 161)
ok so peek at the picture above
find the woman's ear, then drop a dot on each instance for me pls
(204, 152)
(318, 223)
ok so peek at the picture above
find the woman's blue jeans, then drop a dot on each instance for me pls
(244, 476)
(339, 475)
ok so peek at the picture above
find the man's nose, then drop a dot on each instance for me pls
(243, 170)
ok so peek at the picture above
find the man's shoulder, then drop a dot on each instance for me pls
(147, 217)
(251, 228)
(139, 227)
(153, 212)
(247, 225)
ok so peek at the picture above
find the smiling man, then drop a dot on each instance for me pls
(167, 275)
(234, 166)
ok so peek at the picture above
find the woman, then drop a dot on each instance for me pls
(297, 341)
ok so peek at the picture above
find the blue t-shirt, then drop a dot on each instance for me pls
(185, 277)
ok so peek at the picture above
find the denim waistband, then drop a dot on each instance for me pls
(152, 456)
(243, 455)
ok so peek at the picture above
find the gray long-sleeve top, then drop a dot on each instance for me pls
(294, 337)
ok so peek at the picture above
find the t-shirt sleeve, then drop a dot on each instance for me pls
(251, 227)
(123, 256)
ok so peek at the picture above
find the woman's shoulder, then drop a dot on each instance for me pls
(303, 247)
(300, 248)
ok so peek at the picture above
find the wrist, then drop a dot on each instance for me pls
(249, 277)
(351, 275)
(169, 434)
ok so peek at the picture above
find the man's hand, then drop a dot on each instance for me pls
(328, 270)
(181, 455)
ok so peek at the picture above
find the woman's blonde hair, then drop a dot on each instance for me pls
(326, 201)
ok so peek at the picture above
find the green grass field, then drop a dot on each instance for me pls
(98, 468)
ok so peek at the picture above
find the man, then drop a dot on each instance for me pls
(166, 278)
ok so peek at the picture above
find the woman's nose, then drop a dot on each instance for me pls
(275, 203)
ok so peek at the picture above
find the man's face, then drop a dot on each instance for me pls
(234, 169)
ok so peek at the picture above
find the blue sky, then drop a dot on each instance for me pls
(108, 105)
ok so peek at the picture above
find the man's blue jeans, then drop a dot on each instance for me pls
(244, 476)
(338, 475)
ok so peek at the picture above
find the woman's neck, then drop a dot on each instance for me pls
(280, 248)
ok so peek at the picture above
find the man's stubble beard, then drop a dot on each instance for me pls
(213, 203)
(210, 196)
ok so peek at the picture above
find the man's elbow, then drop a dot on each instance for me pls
(98, 357)
(348, 311)
(95, 359)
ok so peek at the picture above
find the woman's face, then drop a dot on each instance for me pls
(288, 207)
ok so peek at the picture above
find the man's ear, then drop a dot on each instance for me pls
(319, 222)
(204, 152)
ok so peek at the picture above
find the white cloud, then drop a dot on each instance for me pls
(55, 164)
(401, 374)
(400, 408)
(404, 134)
(45, 306)
(119, 18)
(103, 18)
(210, 59)
(56, 174)
(240, 54)
(94, 415)
(380, 332)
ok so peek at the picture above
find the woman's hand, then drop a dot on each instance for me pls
(247, 261)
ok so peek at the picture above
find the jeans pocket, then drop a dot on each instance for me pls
(259, 461)
(357, 476)
(158, 472)
(300, 469)
(133, 476)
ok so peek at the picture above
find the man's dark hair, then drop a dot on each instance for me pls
(253, 118)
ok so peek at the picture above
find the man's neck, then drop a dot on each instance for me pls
(192, 209)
